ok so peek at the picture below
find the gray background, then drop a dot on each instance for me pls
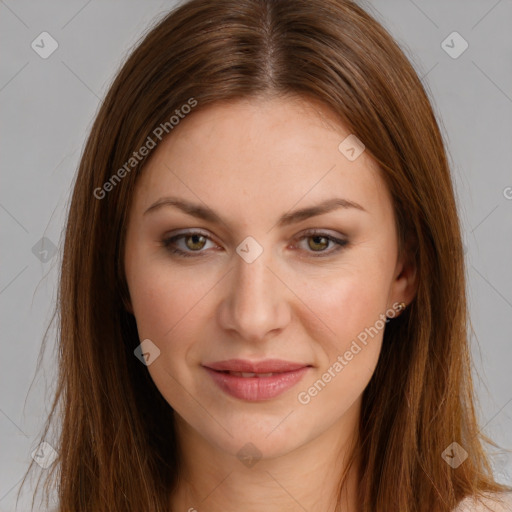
(47, 108)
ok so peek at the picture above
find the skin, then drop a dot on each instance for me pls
(252, 161)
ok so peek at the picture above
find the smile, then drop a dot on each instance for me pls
(255, 381)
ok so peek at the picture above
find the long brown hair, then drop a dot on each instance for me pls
(117, 445)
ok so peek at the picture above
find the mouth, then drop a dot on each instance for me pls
(249, 374)
(257, 367)
(256, 381)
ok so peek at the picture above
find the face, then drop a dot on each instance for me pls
(230, 283)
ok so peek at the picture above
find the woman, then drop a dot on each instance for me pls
(262, 298)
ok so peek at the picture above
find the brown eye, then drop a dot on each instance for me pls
(186, 244)
(319, 242)
(195, 242)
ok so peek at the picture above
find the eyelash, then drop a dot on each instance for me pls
(168, 244)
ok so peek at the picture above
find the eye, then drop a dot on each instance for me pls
(194, 242)
(317, 241)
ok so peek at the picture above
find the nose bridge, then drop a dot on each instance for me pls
(255, 302)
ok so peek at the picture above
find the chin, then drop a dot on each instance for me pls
(253, 445)
(260, 436)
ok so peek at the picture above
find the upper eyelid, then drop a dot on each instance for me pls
(190, 232)
(304, 233)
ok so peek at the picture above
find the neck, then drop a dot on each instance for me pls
(305, 479)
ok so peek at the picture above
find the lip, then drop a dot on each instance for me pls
(286, 375)
(264, 366)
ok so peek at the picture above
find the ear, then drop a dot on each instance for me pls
(405, 281)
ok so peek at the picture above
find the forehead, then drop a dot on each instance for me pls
(259, 154)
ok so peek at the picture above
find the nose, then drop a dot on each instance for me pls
(256, 302)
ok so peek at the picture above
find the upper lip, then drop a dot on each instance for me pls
(264, 366)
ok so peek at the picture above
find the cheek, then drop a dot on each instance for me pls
(346, 305)
(162, 296)
(167, 308)
(173, 309)
(352, 312)
(349, 353)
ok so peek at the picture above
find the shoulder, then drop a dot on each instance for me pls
(498, 502)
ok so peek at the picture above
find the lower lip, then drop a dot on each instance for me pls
(257, 388)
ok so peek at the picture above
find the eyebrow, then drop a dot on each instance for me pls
(207, 214)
